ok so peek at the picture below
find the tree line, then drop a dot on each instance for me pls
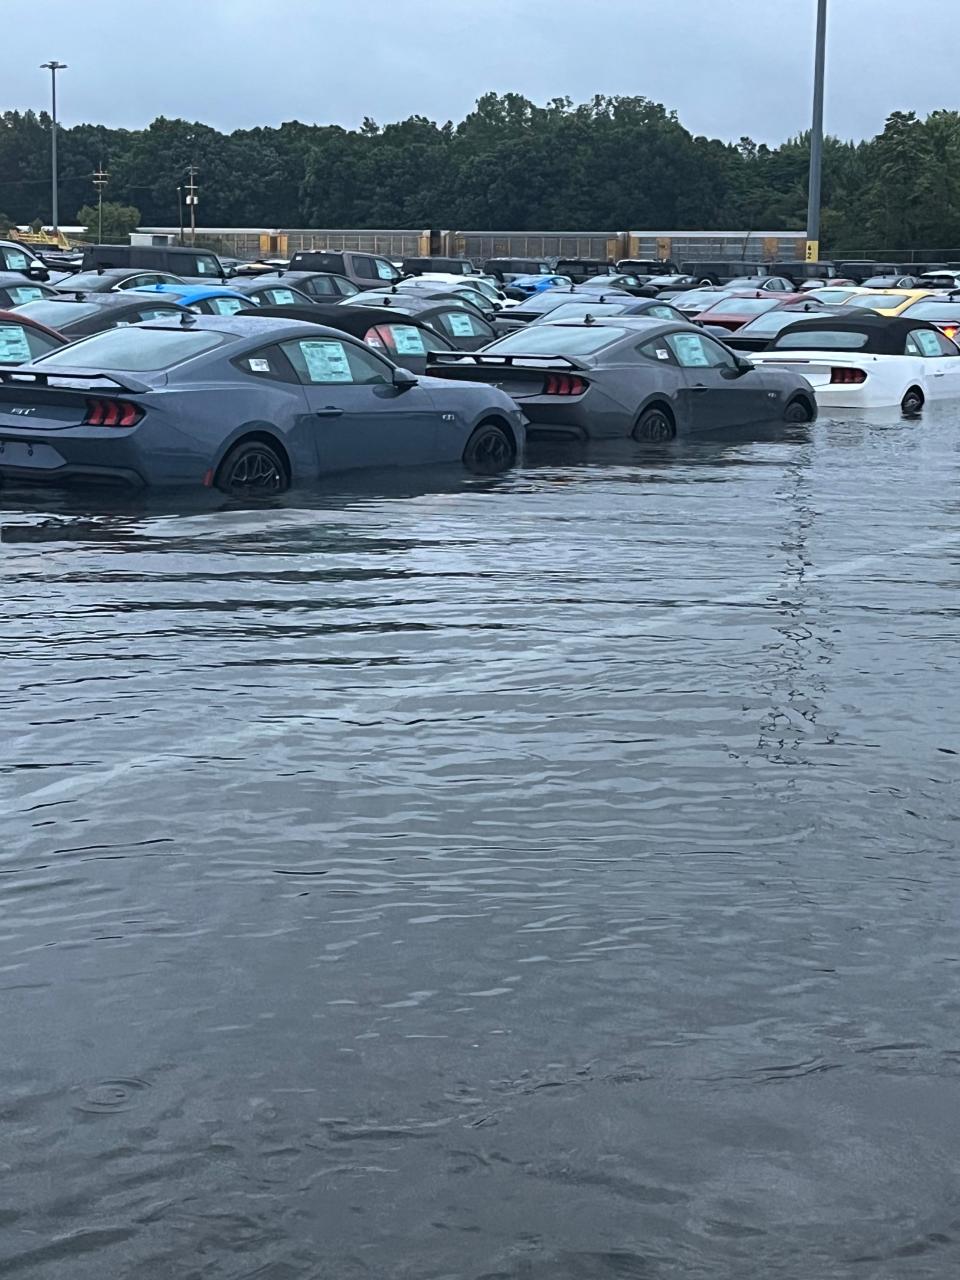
(615, 163)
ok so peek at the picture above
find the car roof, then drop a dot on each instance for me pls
(187, 292)
(886, 334)
(106, 301)
(245, 324)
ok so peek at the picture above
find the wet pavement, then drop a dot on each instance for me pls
(543, 878)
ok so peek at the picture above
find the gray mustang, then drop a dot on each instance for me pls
(622, 376)
(248, 404)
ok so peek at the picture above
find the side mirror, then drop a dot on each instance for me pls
(403, 379)
(744, 366)
(36, 271)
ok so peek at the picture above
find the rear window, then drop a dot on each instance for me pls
(56, 314)
(740, 307)
(137, 350)
(577, 310)
(823, 340)
(877, 301)
(556, 340)
(947, 311)
(769, 325)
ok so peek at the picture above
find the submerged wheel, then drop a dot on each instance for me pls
(252, 468)
(489, 450)
(797, 411)
(912, 402)
(654, 426)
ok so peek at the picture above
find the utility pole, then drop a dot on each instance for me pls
(180, 208)
(53, 67)
(192, 200)
(100, 180)
(816, 138)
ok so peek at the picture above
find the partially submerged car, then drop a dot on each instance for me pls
(365, 270)
(249, 404)
(204, 299)
(114, 280)
(868, 361)
(16, 289)
(734, 311)
(620, 378)
(888, 302)
(448, 315)
(582, 307)
(318, 286)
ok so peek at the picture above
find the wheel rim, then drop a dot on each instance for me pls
(911, 402)
(657, 428)
(492, 450)
(256, 470)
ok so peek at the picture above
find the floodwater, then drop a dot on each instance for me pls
(543, 878)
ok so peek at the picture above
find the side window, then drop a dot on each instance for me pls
(24, 293)
(696, 351)
(270, 362)
(224, 306)
(319, 287)
(153, 313)
(364, 268)
(662, 312)
(947, 347)
(16, 260)
(460, 324)
(330, 361)
(401, 340)
(206, 265)
(657, 350)
(140, 282)
(346, 287)
(924, 342)
(384, 269)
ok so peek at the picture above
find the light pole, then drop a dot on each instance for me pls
(816, 138)
(53, 67)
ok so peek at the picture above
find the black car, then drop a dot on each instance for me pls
(268, 291)
(80, 314)
(862, 269)
(759, 333)
(114, 280)
(403, 338)
(580, 269)
(451, 317)
(446, 266)
(504, 269)
(366, 270)
(648, 267)
(319, 286)
(16, 289)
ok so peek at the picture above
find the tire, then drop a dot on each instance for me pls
(489, 450)
(912, 402)
(252, 468)
(654, 426)
(797, 411)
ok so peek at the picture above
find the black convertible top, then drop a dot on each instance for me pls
(356, 320)
(886, 335)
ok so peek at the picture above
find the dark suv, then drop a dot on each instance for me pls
(366, 270)
(175, 260)
(446, 266)
(580, 269)
(505, 269)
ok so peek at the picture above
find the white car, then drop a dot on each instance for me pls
(868, 362)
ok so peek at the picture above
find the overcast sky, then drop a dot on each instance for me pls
(729, 67)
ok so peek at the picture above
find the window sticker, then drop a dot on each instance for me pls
(13, 344)
(460, 326)
(25, 293)
(283, 297)
(259, 366)
(690, 351)
(326, 361)
(407, 340)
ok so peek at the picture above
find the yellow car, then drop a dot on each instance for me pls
(889, 302)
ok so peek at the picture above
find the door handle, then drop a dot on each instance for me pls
(328, 411)
(698, 386)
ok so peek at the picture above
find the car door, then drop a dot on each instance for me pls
(717, 392)
(940, 362)
(362, 418)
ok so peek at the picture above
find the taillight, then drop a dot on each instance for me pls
(950, 330)
(563, 384)
(112, 413)
(847, 375)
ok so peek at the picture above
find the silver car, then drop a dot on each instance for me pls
(630, 376)
(249, 405)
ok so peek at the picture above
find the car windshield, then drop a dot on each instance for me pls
(556, 340)
(878, 301)
(135, 349)
(823, 340)
(90, 280)
(832, 297)
(740, 307)
(934, 311)
(699, 298)
(577, 310)
(741, 281)
(56, 314)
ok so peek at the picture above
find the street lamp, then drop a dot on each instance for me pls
(53, 67)
(816, 138)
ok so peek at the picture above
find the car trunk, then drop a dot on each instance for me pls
(519, 376)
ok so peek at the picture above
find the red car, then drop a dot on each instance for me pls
(730, 313)
(22, 339)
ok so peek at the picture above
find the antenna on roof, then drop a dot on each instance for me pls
(78, 296)
(187, 319)
(589, 319)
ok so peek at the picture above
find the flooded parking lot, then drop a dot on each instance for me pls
(551, 877)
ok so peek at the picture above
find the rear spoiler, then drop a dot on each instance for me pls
(479, 360)
(16, 377)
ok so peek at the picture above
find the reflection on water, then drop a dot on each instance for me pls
(549, 877)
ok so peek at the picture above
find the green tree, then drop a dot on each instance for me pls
(118, 221)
